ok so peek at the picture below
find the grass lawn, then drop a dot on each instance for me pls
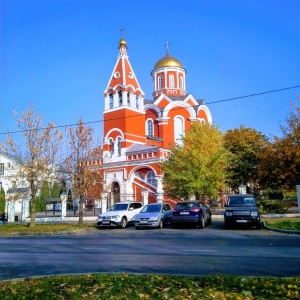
(123, 286)
(283, 223)
(9, 229)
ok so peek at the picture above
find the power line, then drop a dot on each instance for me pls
(252, 95)
(115, 119)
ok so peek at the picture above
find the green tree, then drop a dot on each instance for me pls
(62, 186)
(44, 194)
(244, 144)
(198, 168)
(55, 190)
(37, 157)
(2, 200)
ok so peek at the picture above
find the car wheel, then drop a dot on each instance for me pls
(209, 220)
(258, 226)
(174, 225)
(123, 222)
(202, 223)
(161, 224)
(226, 225)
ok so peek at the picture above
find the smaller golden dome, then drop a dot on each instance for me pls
(168, 61)
(122, 42)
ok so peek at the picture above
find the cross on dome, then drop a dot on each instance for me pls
(122, 31)
(167, 46)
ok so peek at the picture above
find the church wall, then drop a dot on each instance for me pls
(202, 115)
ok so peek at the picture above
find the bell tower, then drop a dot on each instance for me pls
(124, 113)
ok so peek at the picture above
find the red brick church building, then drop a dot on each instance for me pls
(138, 132)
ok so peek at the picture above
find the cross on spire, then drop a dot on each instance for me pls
(167, 46)
(122, 31)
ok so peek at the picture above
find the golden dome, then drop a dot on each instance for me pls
(168, 61)
(122, 42)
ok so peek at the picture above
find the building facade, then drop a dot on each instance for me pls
(138, 132)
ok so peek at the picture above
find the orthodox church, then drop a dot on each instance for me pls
(138, 132)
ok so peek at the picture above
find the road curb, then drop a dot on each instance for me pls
(280, 230)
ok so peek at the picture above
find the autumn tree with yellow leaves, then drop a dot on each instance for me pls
(81, 150)
(37, 157)
(279, 162)
(197, 168)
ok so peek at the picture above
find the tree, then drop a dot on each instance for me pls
(62, 186)
(244, 144)
(291, 141)
(55, 190)
(279, 162)
(198, 168)
(2, 200)
(37, 157)
(80, 142)
(44, 194)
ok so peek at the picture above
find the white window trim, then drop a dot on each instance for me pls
(147, 129)
(175, 129)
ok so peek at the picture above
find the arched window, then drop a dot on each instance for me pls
(150, 178)
(171, 81)
(149, 128)
(111, 143)
(111, 100)
(128, 98)
(139, 175)
(159, 82)
(119, 146)
(137, 100)
(179, 130)
(120, 98)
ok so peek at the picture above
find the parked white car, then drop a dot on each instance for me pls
(119, 214)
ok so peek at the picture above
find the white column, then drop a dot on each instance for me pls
(116, 100)
(25, 209)
(166, 85)
(129, 191)
(124, 98)
(106, 102)
(159, 190)
(115, 143)
(298, 196)
(10, 211)
(141, 103)
(63, 198)
(145, 194)
(104, 202)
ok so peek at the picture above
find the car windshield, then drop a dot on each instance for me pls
(186, 205)
(151, 208)
(119, 206)
(241, 201)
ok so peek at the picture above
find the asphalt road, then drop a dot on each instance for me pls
(185, 251)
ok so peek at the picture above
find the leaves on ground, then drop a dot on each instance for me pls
(124, 286)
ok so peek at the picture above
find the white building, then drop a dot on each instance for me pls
(16, 191)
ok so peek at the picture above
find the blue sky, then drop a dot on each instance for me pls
(59, 54)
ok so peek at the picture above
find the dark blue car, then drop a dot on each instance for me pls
(191, 212)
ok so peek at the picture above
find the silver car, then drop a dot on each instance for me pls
(153, 215)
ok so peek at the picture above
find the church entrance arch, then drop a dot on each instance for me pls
(115, 193)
